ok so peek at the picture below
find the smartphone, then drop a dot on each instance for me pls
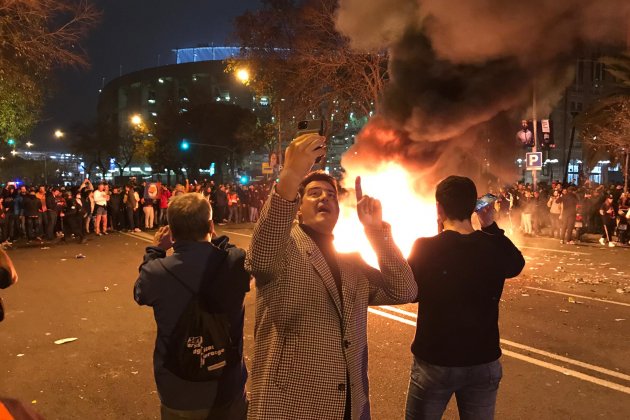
(484, 201)
(312, 127)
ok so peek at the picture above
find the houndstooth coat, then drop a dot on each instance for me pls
(305, 340)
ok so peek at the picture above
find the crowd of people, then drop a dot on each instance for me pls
(566, 212)
(50, 213)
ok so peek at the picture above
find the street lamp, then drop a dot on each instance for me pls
(59, 134)
(29, 144)
(136, 119)
(243, 76)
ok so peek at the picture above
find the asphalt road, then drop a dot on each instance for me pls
(565, 334)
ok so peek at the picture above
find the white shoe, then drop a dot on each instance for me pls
(611, 244)
(137, 230)
(602, 241)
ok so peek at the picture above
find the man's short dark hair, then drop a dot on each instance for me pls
(458, 196)
(317, 176)
(188, 217)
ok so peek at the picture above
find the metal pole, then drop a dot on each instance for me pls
(279, 137)
(627, 172)
(534, 172)
(566, 169)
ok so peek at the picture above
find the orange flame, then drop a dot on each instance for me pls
(410, 214)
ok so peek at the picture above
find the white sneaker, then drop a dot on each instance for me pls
(137, 230)
(602, 241)
(611, 244)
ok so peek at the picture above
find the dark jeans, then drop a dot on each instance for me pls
(51, 223)
(15, 226)
(567, 223)
(431, 387)
(609, 226)
(73, 225)
(33, 227)
(130, 219)
(115, 218)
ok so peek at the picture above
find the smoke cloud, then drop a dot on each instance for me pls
(460, 69)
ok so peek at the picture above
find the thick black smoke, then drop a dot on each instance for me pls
(460, 69)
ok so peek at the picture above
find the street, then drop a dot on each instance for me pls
(565, 327)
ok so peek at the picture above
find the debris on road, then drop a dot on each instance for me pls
(79, 256)
(572, 300)
(105, 289)
(63, 259)
(45, 247)
(619, 319)
(20, 355)
(564, 310)
(525, 294)
(66, 340)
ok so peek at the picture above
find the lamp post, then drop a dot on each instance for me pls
(243, 75)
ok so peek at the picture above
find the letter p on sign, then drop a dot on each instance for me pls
(534, 161)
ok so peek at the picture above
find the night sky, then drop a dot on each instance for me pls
(131, 34)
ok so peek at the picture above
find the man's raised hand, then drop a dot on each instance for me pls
(369, 209)
(298, 161)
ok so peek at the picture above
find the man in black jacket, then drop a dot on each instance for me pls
(460, 275)
(191, 228)
(32, 211)
(569, 201)
(74, 216)
(115, 204)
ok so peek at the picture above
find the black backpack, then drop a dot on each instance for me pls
(200, 343)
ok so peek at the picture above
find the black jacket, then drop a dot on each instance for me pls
(225, 292)
(32, 205)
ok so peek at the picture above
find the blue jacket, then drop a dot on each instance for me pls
(224, 291)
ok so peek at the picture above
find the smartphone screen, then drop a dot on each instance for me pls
(485, 201)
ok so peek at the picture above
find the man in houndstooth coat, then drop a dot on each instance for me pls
(310, 359)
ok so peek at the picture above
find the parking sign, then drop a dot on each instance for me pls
(533, 161)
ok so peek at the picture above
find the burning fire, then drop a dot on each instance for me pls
(410, 214)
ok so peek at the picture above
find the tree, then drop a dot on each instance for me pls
(37, 37)
(605, 126)
(606, 131)
(224, 134)
(92, 143)
(297, 57)
(166, 155)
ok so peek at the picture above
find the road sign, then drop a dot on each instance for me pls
(533, 161)
(267, 169)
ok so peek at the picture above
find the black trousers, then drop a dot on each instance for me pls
(566, 227)
(73, 225)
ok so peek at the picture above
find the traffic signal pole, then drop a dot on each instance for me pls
(534, 149)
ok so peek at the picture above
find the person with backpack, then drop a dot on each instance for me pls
(197, 298)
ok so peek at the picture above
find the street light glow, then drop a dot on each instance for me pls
(243, 75)
(29, 144)
(136, 119)
(59, 134)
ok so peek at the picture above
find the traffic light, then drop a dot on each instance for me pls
(11, 142)
(526, 134)
(184, 145)
(244, 179)
(546, 130)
